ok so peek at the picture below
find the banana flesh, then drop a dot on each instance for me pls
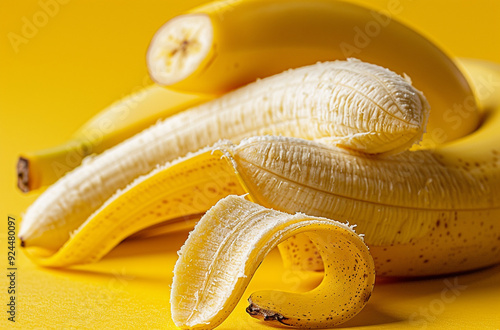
(111, 126)
(448, 197)
(351, 104)
(424, 212)
(221, 255)
(226, 44)
(400, 202)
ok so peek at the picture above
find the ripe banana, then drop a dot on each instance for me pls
(348, 103)
(424, 212)
(223, 252)
(111, 126)
(225, 44)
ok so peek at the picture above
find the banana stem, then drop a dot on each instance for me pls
(43, 167)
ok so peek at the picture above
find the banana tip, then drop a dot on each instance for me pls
(22, 243)
(22, 174)
(264, 314)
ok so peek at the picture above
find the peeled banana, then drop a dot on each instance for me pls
(351, 104)
(423, 212)
(111, 126)
(223, 252)
(226, 44)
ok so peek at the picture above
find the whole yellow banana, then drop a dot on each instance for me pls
(111, 126)
(347, 103)
(226, 44)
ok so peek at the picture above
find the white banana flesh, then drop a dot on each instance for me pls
(423, 202)
(351, 104)
(185, 42)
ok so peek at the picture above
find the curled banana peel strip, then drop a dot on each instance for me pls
(223, 252)
(352, 104)
(226, 44)
(119, 121)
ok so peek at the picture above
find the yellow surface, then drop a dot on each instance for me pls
(90, 53)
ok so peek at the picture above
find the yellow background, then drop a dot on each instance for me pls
(91, 53)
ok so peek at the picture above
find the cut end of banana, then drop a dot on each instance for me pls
(179, 47)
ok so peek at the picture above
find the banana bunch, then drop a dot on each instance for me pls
(342, 140)
(348, 103)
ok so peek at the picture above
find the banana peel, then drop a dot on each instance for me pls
(224, 250)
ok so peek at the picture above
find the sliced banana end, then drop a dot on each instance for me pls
(179, 47)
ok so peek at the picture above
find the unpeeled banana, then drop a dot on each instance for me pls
(235, 235)
(111, 126)
(351, 104)
(226, 44)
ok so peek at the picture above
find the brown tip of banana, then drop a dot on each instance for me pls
(23, 180)
(22, 243)
(264, 314)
